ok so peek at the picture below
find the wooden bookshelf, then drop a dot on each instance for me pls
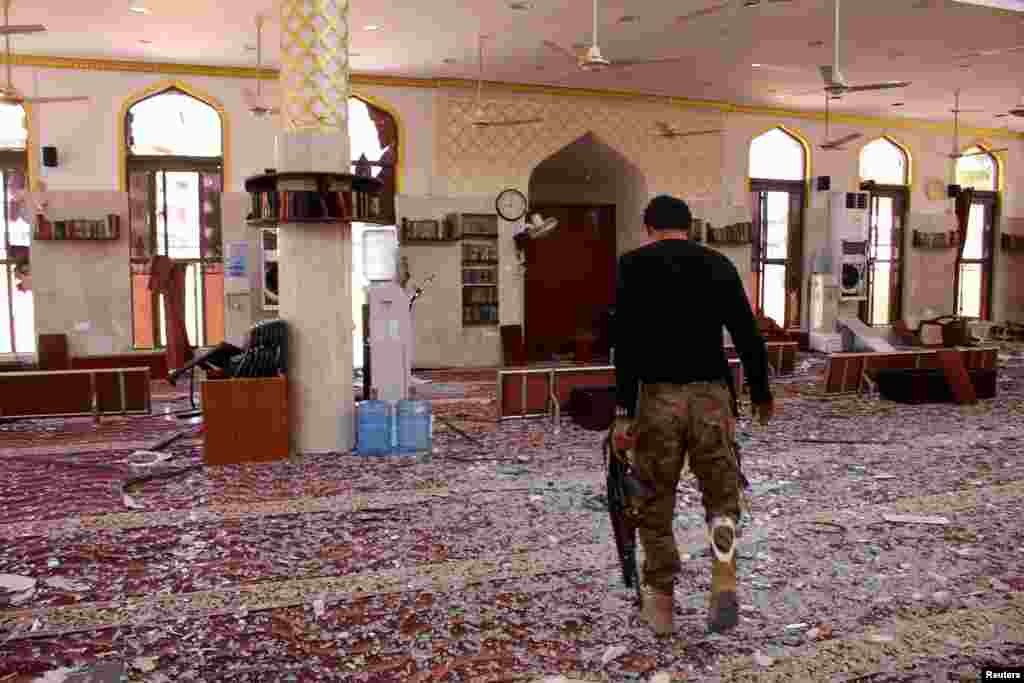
(78, 229)
(314, 198)
(479, 266)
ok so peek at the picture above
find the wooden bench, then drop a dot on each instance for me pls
(543, 391)
(846, 372)
(75, 393)
(781, 355)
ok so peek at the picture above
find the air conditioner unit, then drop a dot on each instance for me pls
(848, 241)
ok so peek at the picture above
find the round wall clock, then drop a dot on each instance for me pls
(511, 204)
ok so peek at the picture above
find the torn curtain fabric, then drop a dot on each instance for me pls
(168, 278)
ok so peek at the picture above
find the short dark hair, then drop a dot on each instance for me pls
(668, 213)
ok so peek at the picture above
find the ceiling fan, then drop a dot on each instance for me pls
(480, 119)
(1018, 110)
(838, 143)
(731, 4)
(593, 60)
(257, 105)
(835, 83)
(8, 93)
(664, 130)
(956, 132)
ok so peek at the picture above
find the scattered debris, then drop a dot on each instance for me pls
(915, 519)
(613, 652)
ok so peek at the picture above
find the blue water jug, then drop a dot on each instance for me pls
(374, 431)
(415, 427)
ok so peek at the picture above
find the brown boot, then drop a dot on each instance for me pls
(657, 611)
(723, 612)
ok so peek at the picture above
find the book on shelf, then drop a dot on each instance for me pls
(313, 205)
(108, 228)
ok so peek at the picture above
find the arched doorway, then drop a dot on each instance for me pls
(980, 170)
(886, 167)
(17, 312)
(173, 148)
(598, 196)
(778, 173)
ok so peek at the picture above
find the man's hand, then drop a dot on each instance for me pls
(764, 412)
(623, 436)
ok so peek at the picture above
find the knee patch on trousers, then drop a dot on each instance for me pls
(722, 536)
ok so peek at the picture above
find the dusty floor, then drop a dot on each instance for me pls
(494, 561)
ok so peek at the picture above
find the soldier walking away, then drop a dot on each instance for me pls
(675, 400)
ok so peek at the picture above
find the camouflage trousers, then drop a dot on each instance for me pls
(677, 423)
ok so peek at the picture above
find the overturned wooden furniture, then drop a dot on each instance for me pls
(544, 391)
(246, 420)
(75, 393)
(851, 372)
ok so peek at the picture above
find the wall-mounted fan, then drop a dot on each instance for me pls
(837, 144)
(8, 93)
(538, 227)
(259, 107)
(480, 118)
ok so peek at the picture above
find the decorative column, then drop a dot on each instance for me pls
(316, 258)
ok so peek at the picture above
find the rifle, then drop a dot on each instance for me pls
(622, 486)
(736, 414)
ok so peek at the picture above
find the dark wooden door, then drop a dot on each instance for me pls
(570, 278)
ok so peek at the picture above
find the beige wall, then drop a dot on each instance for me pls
(82, 288)
(447, 164)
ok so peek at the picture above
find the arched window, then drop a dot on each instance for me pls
(778, 169)
(979, 170)
(777, 155)
(884, 162)
(17, 314)
(174, 147)
(888, 166)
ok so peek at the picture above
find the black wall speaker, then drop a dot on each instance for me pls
(824, 183)
(50, 157)
(952, 191)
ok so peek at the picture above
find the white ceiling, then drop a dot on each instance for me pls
(883, 40)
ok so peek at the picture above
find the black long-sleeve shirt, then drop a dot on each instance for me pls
(673, 298)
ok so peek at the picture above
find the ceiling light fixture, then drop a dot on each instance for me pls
(629, 19)
(897, 104)
(371, 27)
(520, 6)
(139, 9)
(755, 65)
